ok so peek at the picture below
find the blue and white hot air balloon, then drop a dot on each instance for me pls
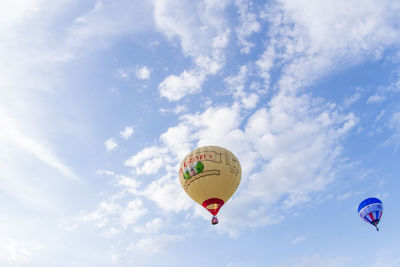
(370, 210)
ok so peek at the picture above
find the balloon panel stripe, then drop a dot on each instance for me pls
(367, 202)
(371, 216)
(367, 219)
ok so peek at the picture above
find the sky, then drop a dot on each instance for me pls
(100, 100)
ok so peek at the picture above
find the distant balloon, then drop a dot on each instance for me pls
(371, 211)
(210, 175)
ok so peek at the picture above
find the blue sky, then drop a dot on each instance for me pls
(101, 100)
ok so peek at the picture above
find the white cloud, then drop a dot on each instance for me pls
(177, 139)
(110, 144)
(288, 151)
(16, 253)
(369, 28)
(151, 166)
(99, 216)
(123, 73)
(310, 41)
(298, 239)
(394, 124)
(145, 154)
(105, 172)
(352, 99)
(376, 99)
(114, 217)
(154, 245)
(180, 109)
(127, 132)
(345, 195)
(203, 35)
(168, 194)
(195, 24)
(237, 85)
(151, 227)
(350, 121)
(215, 125)
(142, 73)
(132, 212)
(383, 259)
(175, 87)
(130, 184)
(248, 24)
(250, 101)
(276, 135)
(265, 64)
(315, 261)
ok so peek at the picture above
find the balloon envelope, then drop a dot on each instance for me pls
(370, 210)
(210, 175)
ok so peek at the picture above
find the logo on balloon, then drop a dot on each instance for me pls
(193, 169)
(194, 165)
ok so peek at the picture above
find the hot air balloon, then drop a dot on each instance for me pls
(371, 211)
(210, 175)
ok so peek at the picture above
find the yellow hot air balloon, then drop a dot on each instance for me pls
(210, 175)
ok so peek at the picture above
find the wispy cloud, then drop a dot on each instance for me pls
(33, 146)
(376, 99)
(352, 99)
(105, 21)
(123, 73)
(298, 239)
(394, 124)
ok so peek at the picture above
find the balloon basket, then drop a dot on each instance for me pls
(214, 220)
